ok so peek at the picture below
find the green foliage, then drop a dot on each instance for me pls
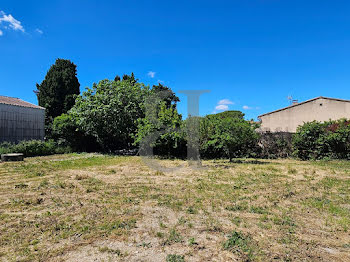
(162, 132)
(230, 137)
(316, 140)
(66, 132)
(109, 112)
(169, 96)
(238, 242)
(58, 90)
(175, 258)
(34, 148)
(228, 114)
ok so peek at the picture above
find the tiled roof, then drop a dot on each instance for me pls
(307, 101)
(17, 102)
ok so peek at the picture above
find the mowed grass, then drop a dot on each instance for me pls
(86, 207)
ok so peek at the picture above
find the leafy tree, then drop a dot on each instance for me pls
(228, 114)
(66, 132)
(131, 78)
(166, 93)
(230, 137)
(58, 90)
(163, 133)
(109, 112)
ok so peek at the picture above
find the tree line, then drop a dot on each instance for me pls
(120, 114)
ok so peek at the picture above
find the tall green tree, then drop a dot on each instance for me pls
(166, 94)
(58, 90)
(109, 112)
(128, 78)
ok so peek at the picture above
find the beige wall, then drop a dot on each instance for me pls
(289, 119)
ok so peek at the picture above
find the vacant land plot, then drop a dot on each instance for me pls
(104, 208)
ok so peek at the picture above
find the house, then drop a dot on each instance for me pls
(289, 118)
(20, 120)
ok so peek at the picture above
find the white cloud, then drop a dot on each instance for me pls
(8, 21)
(221, 107)
(39, 31)
(249, 108)
(1, 33)
(160, 81)
(151, 74)
(225, 102)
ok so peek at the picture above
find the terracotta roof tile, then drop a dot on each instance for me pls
(17, 102)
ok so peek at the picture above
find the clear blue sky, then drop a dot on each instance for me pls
(252, 53)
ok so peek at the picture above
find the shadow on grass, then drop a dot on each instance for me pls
(227, 163)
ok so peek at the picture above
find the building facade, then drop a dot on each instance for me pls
(320, 109)
(20, 120)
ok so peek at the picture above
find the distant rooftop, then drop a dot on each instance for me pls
(307, 101)
(17, 102)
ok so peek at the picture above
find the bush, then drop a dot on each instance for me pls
(229, 137)
(275, 145)
(163, 133)
(66, 132)
(34, 148)
(316, 140)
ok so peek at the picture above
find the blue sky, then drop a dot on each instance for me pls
(250, 54)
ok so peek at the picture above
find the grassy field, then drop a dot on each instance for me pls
(104, 208)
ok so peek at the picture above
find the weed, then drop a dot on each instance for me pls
(258, 210)
(44, 183)
(110, 251)
(240, 243)
(160, 234)
(237, 220)
(241, 207)
(192, 241)
(175, 258)
(35, 174)
(174, 237)
(191, 210)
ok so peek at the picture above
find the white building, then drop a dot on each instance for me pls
(320, 109)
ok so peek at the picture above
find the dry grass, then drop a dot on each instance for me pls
(103, 208)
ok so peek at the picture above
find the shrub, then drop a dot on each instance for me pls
(34, 148)
(163, 132)
(316, 140)
(275, 145)
(66, 132)
(229, 137)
